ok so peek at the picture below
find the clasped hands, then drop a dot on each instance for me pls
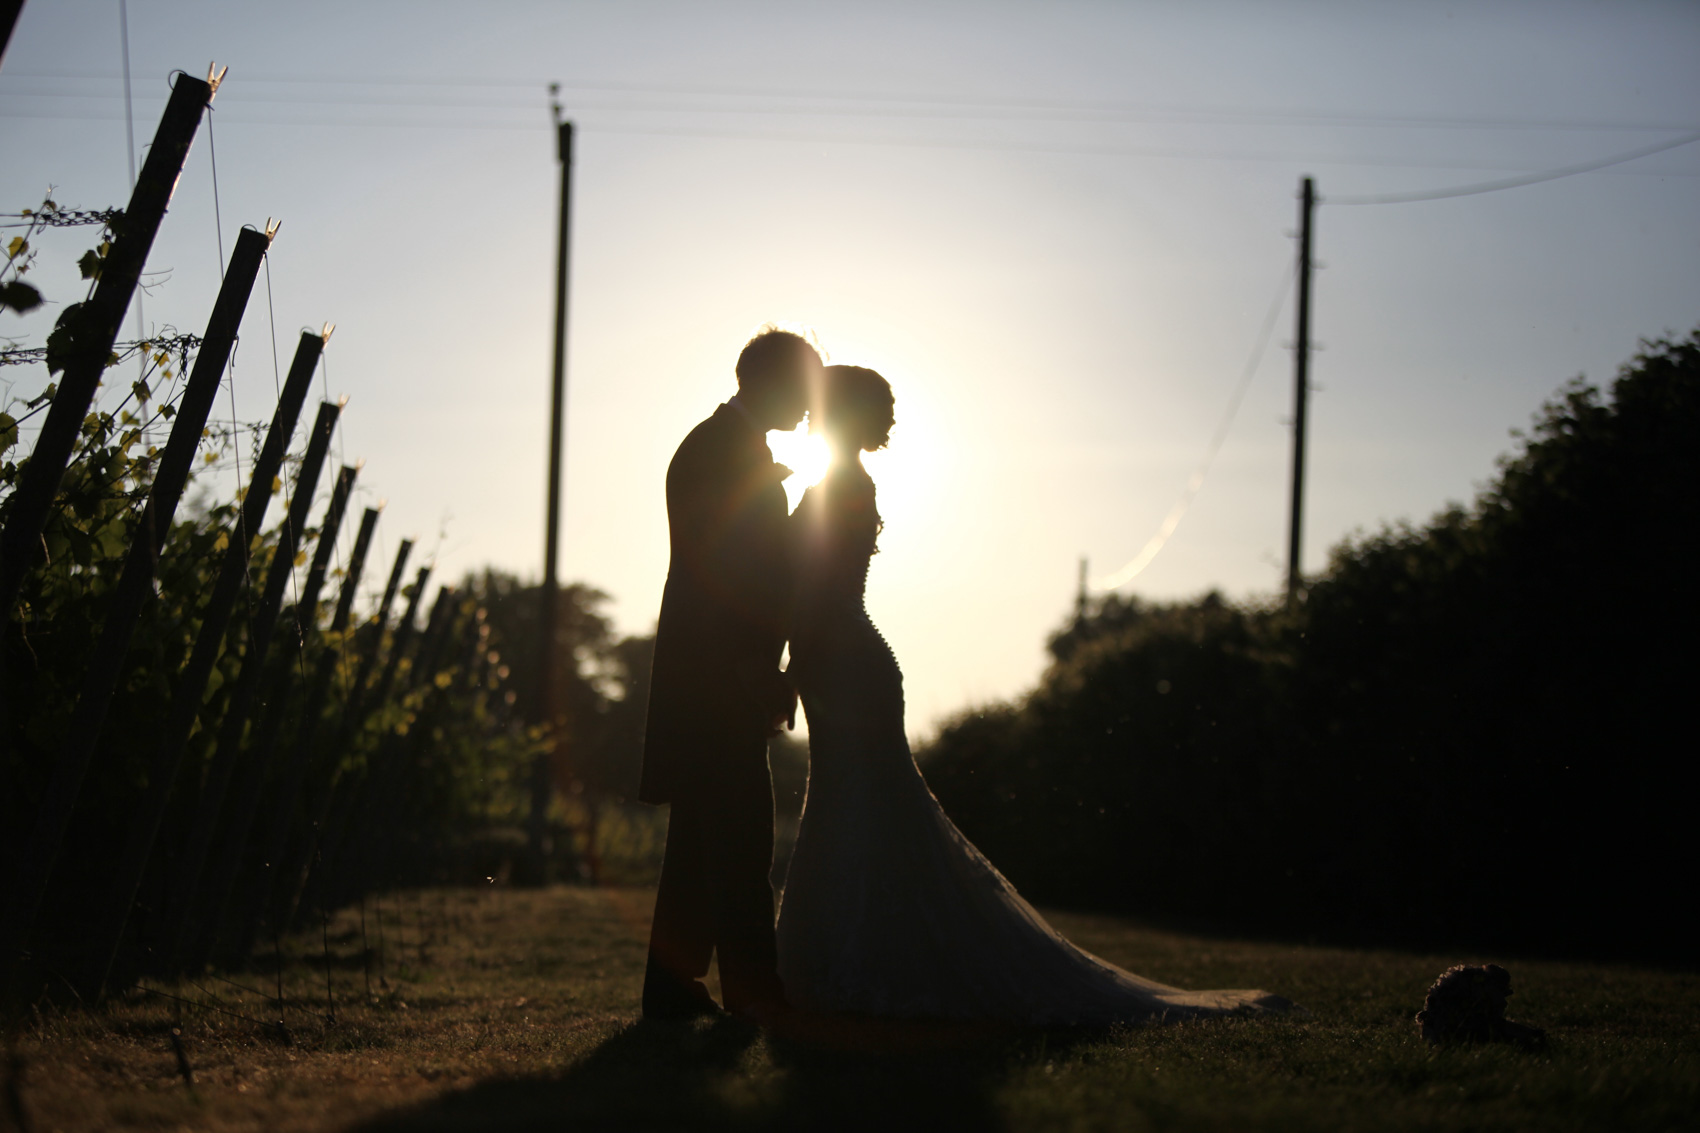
(773, 691)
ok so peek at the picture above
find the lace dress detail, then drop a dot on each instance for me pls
(888, 909)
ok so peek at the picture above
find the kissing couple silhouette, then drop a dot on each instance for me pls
(887, 909)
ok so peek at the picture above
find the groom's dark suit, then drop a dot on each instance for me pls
(705, 747)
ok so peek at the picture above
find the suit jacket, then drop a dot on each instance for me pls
(724, 606)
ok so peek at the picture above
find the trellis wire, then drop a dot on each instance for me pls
(60, 217)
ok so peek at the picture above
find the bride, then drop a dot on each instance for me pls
(888, 909)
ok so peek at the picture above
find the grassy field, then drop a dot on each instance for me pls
(509, 1009)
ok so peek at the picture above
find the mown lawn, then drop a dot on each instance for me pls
(512, 1009)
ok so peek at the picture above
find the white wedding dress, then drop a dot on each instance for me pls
(888, 909)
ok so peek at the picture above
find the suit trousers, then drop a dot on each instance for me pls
(715, 896)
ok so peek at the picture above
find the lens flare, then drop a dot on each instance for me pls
(807, 457)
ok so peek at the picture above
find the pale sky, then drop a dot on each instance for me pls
(1056, 228)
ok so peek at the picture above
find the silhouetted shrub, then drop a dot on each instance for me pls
(1469, 730)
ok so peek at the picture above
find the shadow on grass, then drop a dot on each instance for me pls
(840, 1075)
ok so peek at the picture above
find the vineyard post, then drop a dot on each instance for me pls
(105, 664)
(274, 705)
(261, 624)
(191, 684)
(359, 690)
(388, 782)
(338, 788)
(276, 843)
(368, 830)
(337, 828)
(9, 10)
(404, 788)
(94, 326)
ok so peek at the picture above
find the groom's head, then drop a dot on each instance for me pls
(778, 373)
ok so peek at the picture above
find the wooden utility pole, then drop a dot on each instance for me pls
(1301, 390)
(548, 614)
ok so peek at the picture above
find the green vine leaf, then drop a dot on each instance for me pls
(19, 296)
(92, 262)
(65, 339)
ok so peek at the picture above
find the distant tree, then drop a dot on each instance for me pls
(602, 690)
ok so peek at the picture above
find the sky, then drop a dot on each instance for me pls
(1058, 229)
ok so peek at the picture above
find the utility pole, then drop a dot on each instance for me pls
(1301, 389)
(548, 712)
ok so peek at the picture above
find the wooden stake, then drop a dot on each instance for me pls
(330, 810)
(96, 325)
(255, 770)
(105, 664)
(187, 694)
(184, 920)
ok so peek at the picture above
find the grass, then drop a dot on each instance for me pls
(504, 1009)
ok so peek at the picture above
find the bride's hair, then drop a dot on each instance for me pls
(858, 405)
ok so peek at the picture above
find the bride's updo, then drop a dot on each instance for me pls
(857, 407)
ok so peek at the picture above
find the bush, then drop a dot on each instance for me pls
(1467, 732)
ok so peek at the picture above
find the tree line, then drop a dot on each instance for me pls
(1468, 732)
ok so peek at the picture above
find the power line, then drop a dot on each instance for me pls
(1514, 182)
(1155, 544)
(821, 138)
(1067, 148)
(903, 104)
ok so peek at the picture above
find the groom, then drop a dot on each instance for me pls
(716, 692)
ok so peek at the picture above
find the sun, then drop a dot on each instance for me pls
(805, 454)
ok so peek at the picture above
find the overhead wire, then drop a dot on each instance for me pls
(892, 105)
(130, 134)
(1198, 113)
(1513, 182)
(988, 145)
(888, 105)
(1154, 545)
(229, 377)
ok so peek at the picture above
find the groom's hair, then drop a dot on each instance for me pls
(774, 355)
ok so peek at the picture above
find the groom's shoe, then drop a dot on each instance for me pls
(667, 995)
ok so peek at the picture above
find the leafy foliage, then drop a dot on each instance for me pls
(21, 250)
(442, 727)
(601, 694)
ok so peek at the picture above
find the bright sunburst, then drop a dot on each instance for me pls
(807, 457)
